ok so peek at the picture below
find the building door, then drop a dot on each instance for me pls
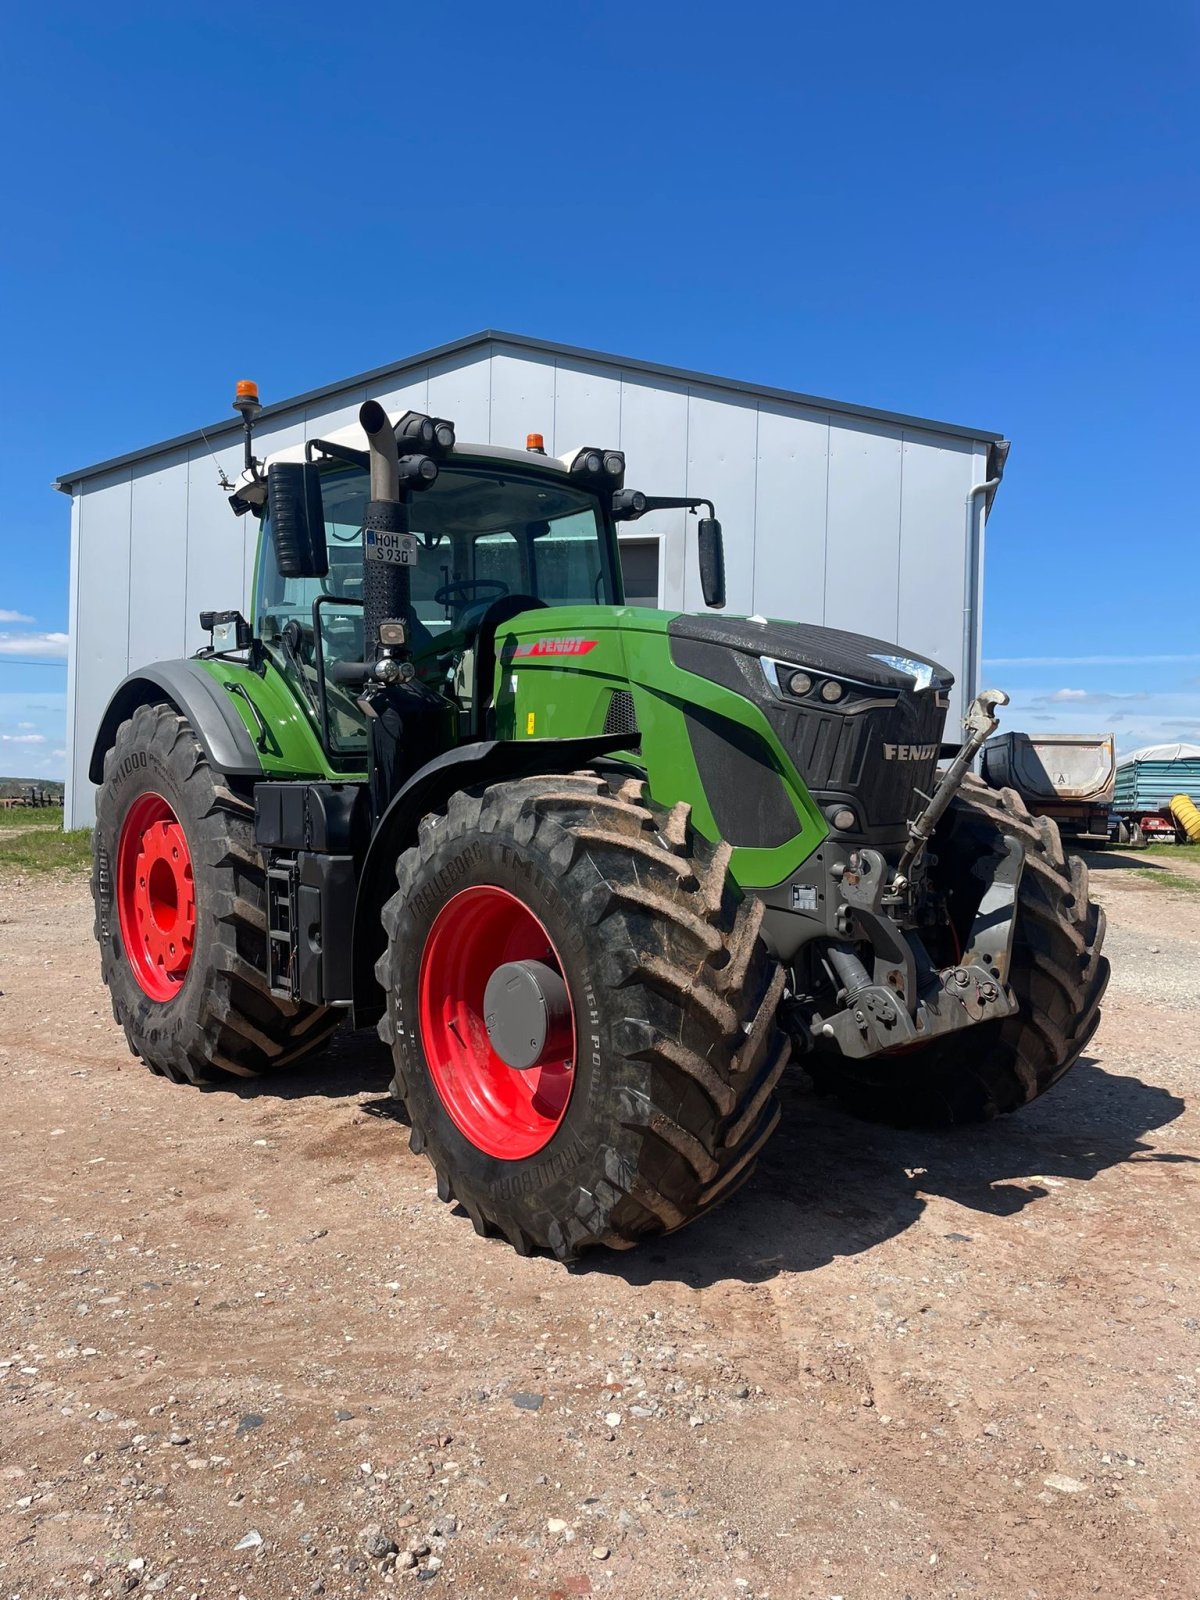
(639, 568)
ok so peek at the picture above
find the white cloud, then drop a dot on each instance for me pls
(41, 646)
(26, 725)
(1085, 661)
(22, 738)
(1095, 697)
(14, 616)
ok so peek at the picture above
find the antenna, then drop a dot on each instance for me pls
(222, 481)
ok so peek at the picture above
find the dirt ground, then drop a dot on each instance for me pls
(244, 1350)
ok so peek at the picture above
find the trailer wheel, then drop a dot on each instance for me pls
(180, 900)
(581, 1013)
(1058, 974)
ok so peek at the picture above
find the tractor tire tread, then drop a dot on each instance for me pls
(698, 991)
(1059, 975)
(237, 1029)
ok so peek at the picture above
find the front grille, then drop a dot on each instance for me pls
(858, 751)
(867, 758)
(621, 717)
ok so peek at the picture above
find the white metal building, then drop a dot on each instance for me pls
(833, 513)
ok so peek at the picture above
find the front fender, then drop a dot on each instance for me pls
(196, 695)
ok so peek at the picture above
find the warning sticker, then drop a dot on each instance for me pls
(804, 897)
(400, 549)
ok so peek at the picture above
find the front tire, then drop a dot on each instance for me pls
(657, 1107)
(1058, 974)
(180, 899)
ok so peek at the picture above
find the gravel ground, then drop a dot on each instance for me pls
(244, 1351)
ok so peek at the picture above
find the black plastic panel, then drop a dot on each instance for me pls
(858, 751)
(747, 797)
(327, 817)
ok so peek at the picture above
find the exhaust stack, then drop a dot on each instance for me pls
(385, 458)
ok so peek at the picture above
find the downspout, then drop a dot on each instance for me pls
(970, 586)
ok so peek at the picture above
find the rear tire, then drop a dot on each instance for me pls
(211, 1017)
(673, 995)
(1058, 975)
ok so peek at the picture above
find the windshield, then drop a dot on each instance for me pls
(482, 534)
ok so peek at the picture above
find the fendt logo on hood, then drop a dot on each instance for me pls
(556, 647)
(909, 752)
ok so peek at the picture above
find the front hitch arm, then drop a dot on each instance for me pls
(980, 723)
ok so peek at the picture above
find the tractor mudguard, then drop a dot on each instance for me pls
(196, 695)
(469, 766)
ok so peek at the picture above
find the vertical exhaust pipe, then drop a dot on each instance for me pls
(385, 458)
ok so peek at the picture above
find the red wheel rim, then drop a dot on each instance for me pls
(156, 897)
(504, 1112)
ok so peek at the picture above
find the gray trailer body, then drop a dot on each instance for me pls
(1066, 776)
(836, 514)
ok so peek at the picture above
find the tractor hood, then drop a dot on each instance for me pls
(853, 657)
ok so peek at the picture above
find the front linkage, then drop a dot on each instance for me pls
(903, 999)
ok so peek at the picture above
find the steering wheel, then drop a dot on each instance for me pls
(466, 587)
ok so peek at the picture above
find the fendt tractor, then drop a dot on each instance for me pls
(598, 872)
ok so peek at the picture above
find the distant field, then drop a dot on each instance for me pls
(32, 817)
(34, 841)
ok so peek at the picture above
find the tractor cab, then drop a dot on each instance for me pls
(498, 532)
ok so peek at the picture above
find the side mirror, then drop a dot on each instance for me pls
(712, 562)
(297, 519)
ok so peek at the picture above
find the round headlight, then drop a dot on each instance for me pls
(445, 435)
(831, 690)
(799, 683)
(844, 819)
(427, 469)
(614, 464)
(592, 461)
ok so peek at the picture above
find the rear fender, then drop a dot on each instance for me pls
(469, 766)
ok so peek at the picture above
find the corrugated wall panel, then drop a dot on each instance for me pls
(219, 545)
(522, 390)
(863, 529)
(463, 394)
(397, 398)
(326, 418)
(654, 437)
(158, 560)
(102, 625)
(587, 408)
(790, 514)
(931, 568)
(722, 462)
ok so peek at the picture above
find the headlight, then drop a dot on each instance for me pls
(831, 690)
(799, 683)
(920, 672)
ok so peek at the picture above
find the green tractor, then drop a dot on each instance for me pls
(597, 872)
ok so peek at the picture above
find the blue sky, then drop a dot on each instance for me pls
(988, 216)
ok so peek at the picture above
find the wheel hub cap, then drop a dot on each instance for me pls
(527, 1013)
(497, 1024)
(156, 900)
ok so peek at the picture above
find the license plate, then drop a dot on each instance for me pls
(400, 549)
